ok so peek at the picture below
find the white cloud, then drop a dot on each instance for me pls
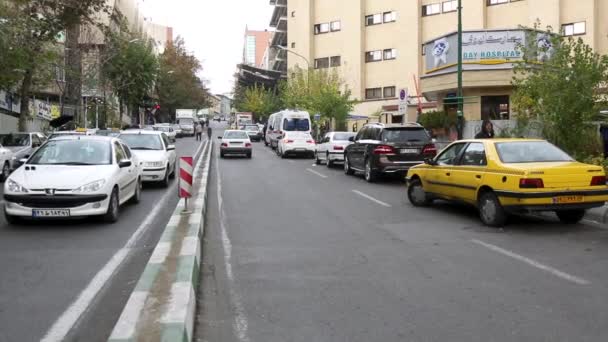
(213, 30)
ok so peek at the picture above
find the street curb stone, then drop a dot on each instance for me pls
(163, 303)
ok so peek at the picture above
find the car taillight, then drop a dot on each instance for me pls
(288, 141)
(338, 148)
(384, 149)
(429, 149)
(247, 144)
(310, 142)
(224, 145)
(598, 180)
(531, 183)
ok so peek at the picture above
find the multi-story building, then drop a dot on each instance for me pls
(382, 46)
(256, 44)
(277, 55)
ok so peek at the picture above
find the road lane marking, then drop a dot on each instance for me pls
(240, 324)
(68, 319)
(533, 263)
(316, 173)
(372, 199)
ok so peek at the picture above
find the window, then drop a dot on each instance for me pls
(118, 152)
(373, 93)
(497, 2)
(474, 155)
(295, 124)
(450, 6)
(574, 29)
(373, 56)
(373, 19)
(321, 63)
(390, 54)
(390, 17)
(293, 14)
(321, 28)
(336, 26)
(293, 45)
(450, 155)
(530, 152)
(127, 150)
(335, 61)
(495, 107)
(431, 9)
(165, 140)
(390, 92)
(405, 134)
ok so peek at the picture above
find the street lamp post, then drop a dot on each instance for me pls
(295, 53)
(460, 113)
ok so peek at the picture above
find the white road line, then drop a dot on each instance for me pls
(316, 173)
(533, 263)
(240, 324)
(372, 199)
(68, 319)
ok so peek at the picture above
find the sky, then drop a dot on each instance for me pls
(213, 30)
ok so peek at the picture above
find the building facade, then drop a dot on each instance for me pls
(256, 44)
(382, 46)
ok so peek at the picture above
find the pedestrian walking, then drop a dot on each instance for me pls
(199, 132)
(209, 132)
(487, 130)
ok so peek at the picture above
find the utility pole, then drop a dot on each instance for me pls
(460, 113)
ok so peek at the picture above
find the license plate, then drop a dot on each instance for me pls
(567, 199)
(409, 150)
(50, 212)
(236, 143)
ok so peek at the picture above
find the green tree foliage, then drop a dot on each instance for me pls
(178, 85)
(562, 92)
(318, 91)
(131, 68)
(259, 101)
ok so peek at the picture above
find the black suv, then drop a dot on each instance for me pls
(387, 148)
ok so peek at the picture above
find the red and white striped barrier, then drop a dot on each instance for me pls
(185, 177)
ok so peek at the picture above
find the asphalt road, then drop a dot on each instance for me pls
(296, 252)
(46, 266)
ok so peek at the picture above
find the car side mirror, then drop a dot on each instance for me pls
(171, 148)
(124, 163)
(430, 161)
(351, 139)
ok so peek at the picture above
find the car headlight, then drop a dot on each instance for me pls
(15, 187)
(154, 164)
(90, 187)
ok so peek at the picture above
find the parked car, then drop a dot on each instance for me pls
(235, 142)
(74, 177)
(331, 148)
(168, 130)
(217, 118)
(506, 176)
(6, 157)
(156, 153)
(286, 121)
(387, 149)
(296, 143)
(21, 146)
(253, 131)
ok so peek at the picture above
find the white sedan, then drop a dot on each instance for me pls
(296, 143)
(331, 148)
(235, 142)
(74, 176)
(168, 130)
(156, 153)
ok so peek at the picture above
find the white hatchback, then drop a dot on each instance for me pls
(296, 143)
(331, 147)
(156, 153)
(74, 176)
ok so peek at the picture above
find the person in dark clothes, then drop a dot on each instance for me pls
(209, 132)
(487, 130)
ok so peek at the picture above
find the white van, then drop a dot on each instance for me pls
(287, 121)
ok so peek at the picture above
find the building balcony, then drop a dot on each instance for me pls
(279, 38)
(279, 14)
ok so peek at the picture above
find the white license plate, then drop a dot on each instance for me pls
(409, 150)
(50, 212)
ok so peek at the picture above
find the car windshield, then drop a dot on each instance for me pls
(343, 136)
(236, 135)
(401, 135)
(186, 121)
(162, 128)
(295, 124)
(73, 152)
(142, 141)
(12, 140)
(530, 152)
(252, 128)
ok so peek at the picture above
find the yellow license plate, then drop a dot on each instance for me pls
(567, 199)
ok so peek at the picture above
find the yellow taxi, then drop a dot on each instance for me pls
(507, 176)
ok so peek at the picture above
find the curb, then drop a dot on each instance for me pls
(598, 215)
(163, 303)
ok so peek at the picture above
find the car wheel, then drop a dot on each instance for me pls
(570, 216)
(265, 142)
(328, 161)
(173, 173)
(165, 181)
(6, 171)
(317, 160)
(370, 174)
(221, 154)
(137, 195)
(111, 215)
(347, 169)
(491, 211)
(249, 155)
(282, 154)
(416, 194)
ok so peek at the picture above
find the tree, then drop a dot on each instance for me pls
(561, 91)
(178, 85)
(34, 25)
(319, 91)
(259, 101)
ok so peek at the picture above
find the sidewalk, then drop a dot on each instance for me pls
(599, 215)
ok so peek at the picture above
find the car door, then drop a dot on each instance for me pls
(467, 175)
(124, 175)
(439, 176)
(322, 148)
(360, 146)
